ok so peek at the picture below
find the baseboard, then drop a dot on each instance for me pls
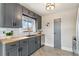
(49, 45)
(77, 52)
(67, 49)
(63, 48)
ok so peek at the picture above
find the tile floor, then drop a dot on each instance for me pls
(49, 51)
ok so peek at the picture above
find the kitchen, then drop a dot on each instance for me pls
(39, 29)
(21, 30)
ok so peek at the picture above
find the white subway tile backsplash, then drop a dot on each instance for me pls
(16, 31)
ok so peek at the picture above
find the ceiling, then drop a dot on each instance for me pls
(39, 8)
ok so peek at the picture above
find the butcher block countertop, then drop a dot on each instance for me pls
(17, 38)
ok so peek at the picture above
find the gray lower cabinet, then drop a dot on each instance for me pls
(31, 45)
(12, 49)
(24, 47)
(34, 44)
(19, 48)
(24, 51)
(11, 15)
(12, 52)
(37, 42)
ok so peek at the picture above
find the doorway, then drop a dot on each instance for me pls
(57, 33)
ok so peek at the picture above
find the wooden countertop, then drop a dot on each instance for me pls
(17, 38)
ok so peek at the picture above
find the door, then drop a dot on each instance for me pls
(57, 33)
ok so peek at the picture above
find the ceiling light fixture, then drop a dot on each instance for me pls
(50, 6)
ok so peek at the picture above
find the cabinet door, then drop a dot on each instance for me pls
(17, 20)
(8, 16)
(31, 14)
(31, 46)
(25, 11)
(12, 49)
(39, 22)
(1, 14)
(37, 42)
(24, 47)
(12, 52)
(24, 51)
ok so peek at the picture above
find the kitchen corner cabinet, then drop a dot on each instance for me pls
(12, 15)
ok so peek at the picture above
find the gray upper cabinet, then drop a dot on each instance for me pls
(31, 14)
(25, 11)
(17, 21)
(12, 15)
(8, 15)
(28, 13)
(1, 14)
(38, 22)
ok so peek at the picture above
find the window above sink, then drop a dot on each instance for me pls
(28, 24)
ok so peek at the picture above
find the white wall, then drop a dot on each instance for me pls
(77, 32)
(68, 28)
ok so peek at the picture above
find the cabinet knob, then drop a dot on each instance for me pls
(20, 49)
(35, 42)
(14, 24)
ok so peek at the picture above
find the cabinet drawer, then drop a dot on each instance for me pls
(12, 45)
